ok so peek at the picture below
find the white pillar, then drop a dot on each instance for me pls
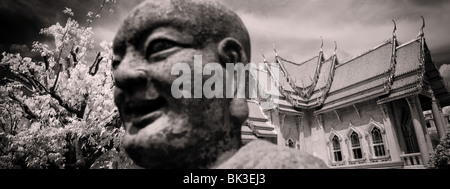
(418, 128)
(439, 122)
(391, 133)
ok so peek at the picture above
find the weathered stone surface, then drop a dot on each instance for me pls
(260, 154)
(162, 131)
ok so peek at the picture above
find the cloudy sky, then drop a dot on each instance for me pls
(295, 26)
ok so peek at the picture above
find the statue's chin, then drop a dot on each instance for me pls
(175, 141)
(160, 144)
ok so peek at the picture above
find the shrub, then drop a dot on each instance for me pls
(440, 159)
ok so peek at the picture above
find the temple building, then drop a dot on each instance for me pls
(366, 112)
(257, 125)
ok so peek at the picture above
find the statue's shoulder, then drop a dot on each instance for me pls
(260, 154)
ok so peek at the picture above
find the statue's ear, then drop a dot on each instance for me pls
(230, 51)
(238, 111)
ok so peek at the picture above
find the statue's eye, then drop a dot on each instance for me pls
(116, 61)
(159, 45)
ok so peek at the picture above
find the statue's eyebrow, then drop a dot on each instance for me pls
(167, 33)
(137, 36)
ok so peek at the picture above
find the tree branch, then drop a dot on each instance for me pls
(74, 55)
(53, 88)
(24, 107)
(94, 67)
(46, 63)
(97, 13)
(42, 89)
(66, 106)
(3, 126)
(89, 23)
(10, 119)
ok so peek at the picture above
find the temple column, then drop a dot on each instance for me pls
(437, 117)
(301, 134)
(444, 121)
(424, 123)
(281, 140)
(391, 133)
(277, 122)
(418, 128)
(398, 125)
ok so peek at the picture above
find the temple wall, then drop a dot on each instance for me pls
(275, 120)
(317, 138)
(312, 134)
(288, 129)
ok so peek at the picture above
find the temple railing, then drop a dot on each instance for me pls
(412, 160)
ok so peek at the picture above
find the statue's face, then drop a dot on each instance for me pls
(162, 131)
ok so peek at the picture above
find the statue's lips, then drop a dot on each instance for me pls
(144, 112)
(143, 121)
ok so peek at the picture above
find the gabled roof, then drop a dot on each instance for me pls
(301, 74)
(324, 82)
(414, 70)
(282, 78)
(386, 72)
(365, 66)
(408, 57)
(324, 74)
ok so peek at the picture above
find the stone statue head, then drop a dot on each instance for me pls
(163, 131)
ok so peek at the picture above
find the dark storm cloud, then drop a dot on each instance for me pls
(356, 25)
(22, 20)
(294, 25)
(19, 48)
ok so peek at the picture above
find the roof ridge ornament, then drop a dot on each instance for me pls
(262, 53)
(274, 49)
(335, 47)
(321, 45)
(395, 27)
(421, 34)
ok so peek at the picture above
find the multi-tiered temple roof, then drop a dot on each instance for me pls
(387, 72)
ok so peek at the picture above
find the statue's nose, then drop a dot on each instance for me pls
(129, 76)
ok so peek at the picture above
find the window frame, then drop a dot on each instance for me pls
(378, 143)
(332, 158)
(370, 139)
(334, 150)
(350, 146)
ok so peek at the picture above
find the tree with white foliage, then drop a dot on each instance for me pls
(58, 112)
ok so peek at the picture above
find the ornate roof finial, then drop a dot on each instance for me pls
(274, 49)
(335, 47)
(321, 45)
(395, 27)
(423, 26)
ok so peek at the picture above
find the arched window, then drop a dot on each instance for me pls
(355, 146)
(378, 143)
(337, 153)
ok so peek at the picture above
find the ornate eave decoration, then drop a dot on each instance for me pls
(334, 63)
(391, 71)
(421, 71)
